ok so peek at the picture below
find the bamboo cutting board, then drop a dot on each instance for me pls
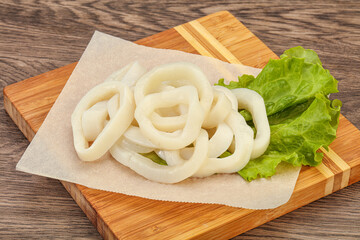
(222, 36)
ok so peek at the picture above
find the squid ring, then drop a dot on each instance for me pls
(127, 144)
(243, 146)
(229, 95)
(220, 109)
(218, 144)
(171, 140)
(174, 118)
(176, 75)
(221, 140)
(254, 103)
(134, 135)
(129, 74)
(93, 120)
(115, 127)
(168, 124)
(160, 173)
(173, 157)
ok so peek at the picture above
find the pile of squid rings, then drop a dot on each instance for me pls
(173, 111)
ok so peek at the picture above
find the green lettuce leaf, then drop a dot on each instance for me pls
(288, 81)
(302, 118)
(295, 139)
(308, 55)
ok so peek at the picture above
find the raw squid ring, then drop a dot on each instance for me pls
(113, 105)
(129, 74)
(127, 144)
(115, 127)
(163, 173)
(176, 75)
(220, 109)
(134, 135)
(229, 95)
(254, 103)
(93, 120)
(221, 140)
(173, 157)
(170, 119)
(218, 144)
(171, 140)
(239, 158)
(168, 124)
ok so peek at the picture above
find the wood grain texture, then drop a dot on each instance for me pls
(119, 216)
(37, 38)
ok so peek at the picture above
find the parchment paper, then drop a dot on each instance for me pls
(51, 153)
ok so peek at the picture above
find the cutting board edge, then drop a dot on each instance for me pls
(75, 192)
(16, 116)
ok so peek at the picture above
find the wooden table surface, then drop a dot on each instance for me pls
(36, 38)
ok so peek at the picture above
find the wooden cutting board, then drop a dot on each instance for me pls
(218, 35)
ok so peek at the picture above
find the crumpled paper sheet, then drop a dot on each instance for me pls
(51, 153)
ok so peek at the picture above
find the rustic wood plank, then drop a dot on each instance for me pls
(32, 42)
(108, 211)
